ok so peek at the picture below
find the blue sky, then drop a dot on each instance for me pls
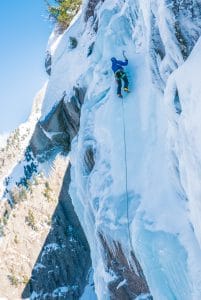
(24, 32)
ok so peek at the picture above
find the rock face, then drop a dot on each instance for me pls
(116, 208)
(130, 280)
(56, 131)
(90, 9)
(63, 265)
(48, 63)
(44, 250)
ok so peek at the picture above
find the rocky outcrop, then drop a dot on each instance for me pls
(62, 267)
(27, 225)
(48, 63)
(129, 281)
(55, 133)
(90, 10)
(65, 256)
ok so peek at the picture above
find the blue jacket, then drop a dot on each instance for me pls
(118, 64)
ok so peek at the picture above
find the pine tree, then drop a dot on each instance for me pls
(63, 11)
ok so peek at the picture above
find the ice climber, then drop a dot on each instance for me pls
(117, 67)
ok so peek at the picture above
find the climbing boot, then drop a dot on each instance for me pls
(120, 95)
(126, 90)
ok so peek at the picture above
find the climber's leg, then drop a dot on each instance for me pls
(126, 83)
(119, 83)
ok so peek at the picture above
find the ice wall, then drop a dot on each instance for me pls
(126, 183)
(135, 162)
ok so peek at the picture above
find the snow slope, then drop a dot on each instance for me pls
(16, 143)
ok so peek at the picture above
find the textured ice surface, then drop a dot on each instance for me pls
(136, 162)
(158, 212)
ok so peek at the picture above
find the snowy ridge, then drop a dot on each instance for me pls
(17, 142)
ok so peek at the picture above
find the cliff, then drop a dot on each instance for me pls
(106, 193)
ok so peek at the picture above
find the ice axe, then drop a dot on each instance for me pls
(124, 54)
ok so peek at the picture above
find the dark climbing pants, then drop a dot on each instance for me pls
(121, 75)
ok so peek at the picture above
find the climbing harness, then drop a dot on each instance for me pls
(126, 174)
(120, 74)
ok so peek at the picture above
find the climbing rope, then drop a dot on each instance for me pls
(126, 174)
